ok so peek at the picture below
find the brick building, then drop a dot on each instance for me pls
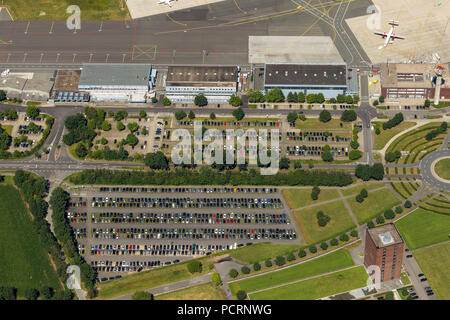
(384, 248)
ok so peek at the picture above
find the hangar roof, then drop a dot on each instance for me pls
(306, 74)
(110, 74)
(184, 75)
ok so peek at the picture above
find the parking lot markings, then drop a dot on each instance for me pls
(57, 57)
(51, 28)
(24, 57)
(123, 57)
(107, 58)
(28, 26)
(42, 55)
(74, 56)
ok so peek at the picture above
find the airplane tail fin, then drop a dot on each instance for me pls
(393, 23)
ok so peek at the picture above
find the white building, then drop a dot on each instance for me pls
(117, 82)
(216, 83)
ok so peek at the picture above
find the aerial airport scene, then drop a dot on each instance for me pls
(241, 151)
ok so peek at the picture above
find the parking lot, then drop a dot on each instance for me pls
(129, 229)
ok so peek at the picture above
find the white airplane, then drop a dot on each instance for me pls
(390, 36)
(166, 2)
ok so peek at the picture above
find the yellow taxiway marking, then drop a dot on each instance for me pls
(24, 57)
(123, 58)
(101, 26)
(9, 56)
(42, 56)
(74, 56)
(51, 28)
(90, 57)
(9, 12)
(256, 19)
(57, 57)
(5, 42)
(107, 58)
(175, 21)
(237, 6)
(143, 52)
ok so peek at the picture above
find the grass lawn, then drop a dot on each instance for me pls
(316, 124)
(386, 135)
(421, 228)
(376, 203)
(357, 189)
(316, 288)
(442, 168)
(207, 291)
(262, 251)
(23, 261)
(149, 279)
(7, 128)
(434, 263)
(327, 263)
(310, 230)
(441, 104)
(56, 10)
(297, 198)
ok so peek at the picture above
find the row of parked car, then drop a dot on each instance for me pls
(189, 189)
(196, 218)
(250, 203)
(194, 233)
(230, 123)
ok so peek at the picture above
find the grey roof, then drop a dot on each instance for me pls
(306, 74)
(385, 235)
(292, 49)
(106, 74)
(192, 76)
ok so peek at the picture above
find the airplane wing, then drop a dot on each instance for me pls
(398, 37)
(380, 34)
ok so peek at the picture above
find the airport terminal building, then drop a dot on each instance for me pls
(117, 82)
(329, 79)
(217, 83)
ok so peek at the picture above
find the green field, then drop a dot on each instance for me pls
(421, 228)
(376, 203)
(333, 124)
(442, 168)
(149, 279)
(310, 230)
(316, 288)
(7, 128)
(357, 189)
(23, 261)
(386, 135)
(207, 291)
(262, 251)
(434, 263)
(297, 198)
(56, 10)
(327, 263)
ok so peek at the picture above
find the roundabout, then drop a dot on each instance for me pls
(432, 168)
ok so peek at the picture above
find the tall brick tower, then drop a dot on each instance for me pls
(384, 248)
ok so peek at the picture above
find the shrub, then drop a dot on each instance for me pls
(238, 114)
(408, 204)
(46, 293)
(194, 266)
(398, 209)
(354, 233)
(324, 246)
(191, 115)
(215, 277)
(120, 126)
(324, 116)
(348, 115)
(31, 294)
(280, 260)
(322, 219)
(334, 242)
(370, 224)
(142, 114)
(344, 237)
(389, 295)
(154, 100)
(142, 295)
(256, 266)
(389, 214)
(132, 126)
(180, 114)
(359, 198)
(166, 102)
(200, 100)
(241, 295)
(81, 150)
(377, 131)
(233, 273)
(302, 253)
(315, 193)
(354, 155)
(380, 219)
(364, 193)
(268, 263)
(312, 249)
(234, 100)
(290, 257)
(245, 270)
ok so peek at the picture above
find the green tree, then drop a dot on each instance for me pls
(312, 249)
(81, 150)
(154, 100)
(31, 294)
(275, 95)
(194, 266)
(215, 278)
(233, 273)
(268, 263)
(106, 126)
(142, 114)
(180, 114)
(427, 103)
(354, 154)
(348, 115)
(280, 260)
(166, 102)
(364, 193)
(290, 257)
(380, 219)
(212, 116)
(120, 126)
(255, 96)
(238, 113)
(200, 100)
(398, 209)
(256, 266)
(245, 270)
(284, 163)
(132, 126)
(234, 100)
(381, 99)
(132, 140)
(2, 95)
(344, 237)
(359, 198)
(156, 160)
(324, 246)
(354, 233)
(32, 112)
(326, 154)
(46, 293)
(8, 293)
(191, 115)
(301, 97)
(302, 253)
(408, 204)
(292, 116)
(324, 116)
(241, 295)
(370, 224)
(334, 242)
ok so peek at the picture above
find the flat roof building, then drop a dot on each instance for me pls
(33, 86)
(384, 248)
(329, 79)
(217, 83)
(412, 81)
(117, 82)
